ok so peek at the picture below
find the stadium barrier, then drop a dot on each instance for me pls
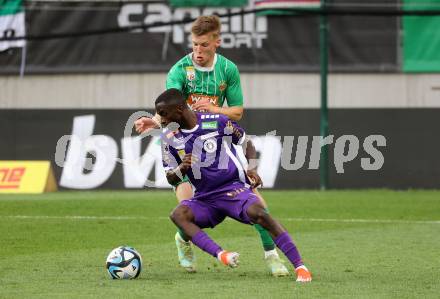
(369, 148)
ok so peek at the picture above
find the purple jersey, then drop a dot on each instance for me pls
(210, 141)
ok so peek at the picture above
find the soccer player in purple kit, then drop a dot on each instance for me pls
(201, 148)
(210, 82)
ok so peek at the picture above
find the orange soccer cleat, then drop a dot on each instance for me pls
(229, 258)
(303, 274)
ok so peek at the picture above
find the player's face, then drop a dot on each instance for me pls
(204, 48)
(169, 113)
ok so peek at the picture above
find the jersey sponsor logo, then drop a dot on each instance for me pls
(194, 98)
(210, 145)
(209, 125)
(190, 73)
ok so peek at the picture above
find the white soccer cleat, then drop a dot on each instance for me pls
(276, 266)
(185, 253)
(229, 258)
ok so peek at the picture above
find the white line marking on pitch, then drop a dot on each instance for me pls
(381, 221)
(378, 221)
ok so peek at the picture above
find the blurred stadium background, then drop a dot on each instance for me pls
(383, 80)
(86, 66)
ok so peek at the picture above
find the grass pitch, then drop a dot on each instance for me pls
(358, 244)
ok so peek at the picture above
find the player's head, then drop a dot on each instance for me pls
(170, 105)
(205, 37)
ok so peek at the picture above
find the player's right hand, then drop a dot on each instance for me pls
(187, 161)
(254, 178)
(145, 124)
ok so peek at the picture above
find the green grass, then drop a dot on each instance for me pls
(358, 244)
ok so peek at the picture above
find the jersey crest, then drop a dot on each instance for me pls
(222, 86)
(190, 73)
(210, 145)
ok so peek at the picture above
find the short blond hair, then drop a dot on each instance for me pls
(206, 24)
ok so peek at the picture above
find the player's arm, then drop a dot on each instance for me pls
(171, 163)
(144, 124)
(235, 113)
(175, 79)
(174, 176)
(234, 98)
(239, 137)
(251, 156)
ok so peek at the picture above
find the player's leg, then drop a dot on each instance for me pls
(273, 260)
(185, 253)
(183, 191)
(258, 214)
(184, 216)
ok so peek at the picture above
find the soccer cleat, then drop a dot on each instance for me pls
(276, 266)
(229, 258)
(303, 274)
(185, 253)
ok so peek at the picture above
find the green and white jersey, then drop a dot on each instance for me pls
(218, 83)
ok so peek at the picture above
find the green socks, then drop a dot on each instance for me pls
(182, 235)
(266, 239)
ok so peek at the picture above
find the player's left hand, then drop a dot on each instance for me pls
(254, 178)
(203, 105)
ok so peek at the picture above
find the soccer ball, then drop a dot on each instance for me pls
(124, 262)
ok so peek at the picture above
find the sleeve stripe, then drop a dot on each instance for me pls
(242, 139)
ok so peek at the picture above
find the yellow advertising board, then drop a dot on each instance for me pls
(26, 177)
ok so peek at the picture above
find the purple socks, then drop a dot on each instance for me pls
(283, 241)
(285, 244)
(204, 242)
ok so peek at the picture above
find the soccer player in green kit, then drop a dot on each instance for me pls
(207, 80)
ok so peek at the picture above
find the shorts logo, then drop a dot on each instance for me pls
(190, 73)
(209, 125)
(210, 145)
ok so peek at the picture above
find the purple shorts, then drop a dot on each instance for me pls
(211, 211)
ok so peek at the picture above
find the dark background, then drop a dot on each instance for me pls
(356, 43)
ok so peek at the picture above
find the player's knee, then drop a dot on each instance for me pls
(180, 214)
(260, 216)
